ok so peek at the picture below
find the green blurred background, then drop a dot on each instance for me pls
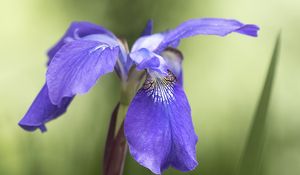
(223, 81)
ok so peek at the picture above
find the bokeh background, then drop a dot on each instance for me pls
(223, 77)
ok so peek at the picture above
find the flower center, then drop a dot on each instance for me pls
(160, 89)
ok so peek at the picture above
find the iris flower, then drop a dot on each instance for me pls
(158, 124)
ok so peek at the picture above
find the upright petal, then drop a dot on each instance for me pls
(78, 30)
(158, 126)
(42, 111)
(76, 67)
(144, 41)
(148, 28)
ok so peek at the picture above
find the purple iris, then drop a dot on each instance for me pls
(158, 124)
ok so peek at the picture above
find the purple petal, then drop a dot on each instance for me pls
(77, 30)
(42, 111)
(103, 39)
(248, 29)
(205, 26)
(148, 28)
(174, 59)
(145, 59)
(150, 42)
(77, 66)
(113, 42)
(158, 127)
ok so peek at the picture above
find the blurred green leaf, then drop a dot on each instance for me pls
(250, 162)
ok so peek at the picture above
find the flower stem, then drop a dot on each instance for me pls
(116, 147)
(110, 138)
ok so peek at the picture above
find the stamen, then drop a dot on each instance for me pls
(161, 89)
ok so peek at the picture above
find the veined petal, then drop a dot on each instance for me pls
(148, 28)
(76, 67)
(42, 111)
(145, 59)
(158, 126)
(205, 26)
(78, 30)
(112, 42)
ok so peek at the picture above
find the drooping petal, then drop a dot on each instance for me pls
(103, 39)
(42, 111)
(158, 126)
(145, 59)
(78, 30)
(77, 66)
(205, 26)
(148, 28)
(113, 42)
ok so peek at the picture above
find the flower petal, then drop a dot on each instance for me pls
(150, 42)
(42, 111)
(76, 67)
(77, 30)
(158, 126)
(205, 26)
(148, 28)
(145, 59)
(103, 39)
(174, 59)
(112, 42)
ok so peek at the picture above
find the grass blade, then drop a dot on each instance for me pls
(251, 158)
